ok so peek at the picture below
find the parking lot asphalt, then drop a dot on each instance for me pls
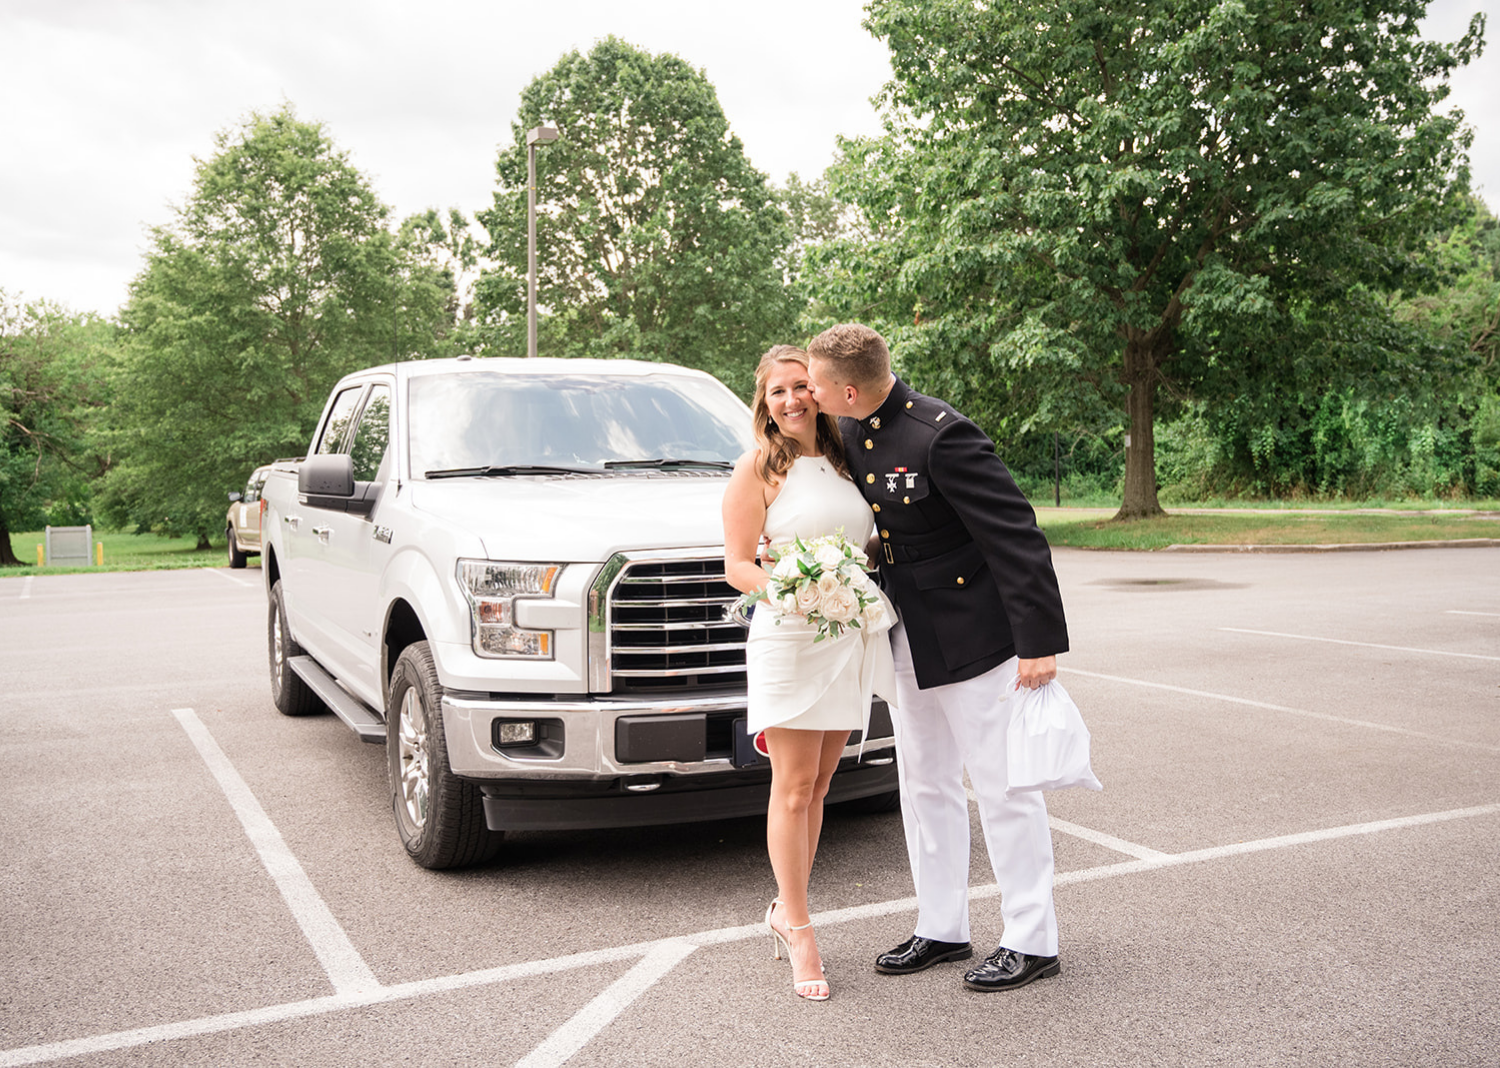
(1294, 860)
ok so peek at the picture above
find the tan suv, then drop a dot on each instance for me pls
(242, 525)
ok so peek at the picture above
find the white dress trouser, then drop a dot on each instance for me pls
(939, 732)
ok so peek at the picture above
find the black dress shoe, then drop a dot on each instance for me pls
(917, 953)
(1006, 969)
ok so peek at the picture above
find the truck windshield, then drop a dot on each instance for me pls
(486, 420)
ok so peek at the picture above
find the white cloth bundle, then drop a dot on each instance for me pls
(1047, 745)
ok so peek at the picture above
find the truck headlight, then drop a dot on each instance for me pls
(492, 589)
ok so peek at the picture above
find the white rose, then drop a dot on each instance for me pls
(828, 582)
(830, 556)
(809, 599)
(841, 605)
(873, 613)
(786, 567)
(788, 604)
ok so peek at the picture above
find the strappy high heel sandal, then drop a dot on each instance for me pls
(778, 943)
(806, 988)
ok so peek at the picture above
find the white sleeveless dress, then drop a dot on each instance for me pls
(793, 682)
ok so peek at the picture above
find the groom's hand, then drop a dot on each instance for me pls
(1035, 673)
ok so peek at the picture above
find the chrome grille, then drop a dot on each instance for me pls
(669, 626)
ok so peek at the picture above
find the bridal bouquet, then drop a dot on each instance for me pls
(824, 580)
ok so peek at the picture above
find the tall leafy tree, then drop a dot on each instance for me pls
(50, 387)
(656, 238)
(277, 276)
(1178, 193)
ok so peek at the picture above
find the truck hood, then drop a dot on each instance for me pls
(579, 519)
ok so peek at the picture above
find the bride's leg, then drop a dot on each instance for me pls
(795, 762)
(828, 762)
(796, 759)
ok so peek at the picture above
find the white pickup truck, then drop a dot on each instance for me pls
(510, 573)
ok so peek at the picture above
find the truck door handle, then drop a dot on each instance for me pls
(291, 520)
(322, 533)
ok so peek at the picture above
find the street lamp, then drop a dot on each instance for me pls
(539, 135)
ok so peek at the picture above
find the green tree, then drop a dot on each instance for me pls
(50, 386)
(656, 238)
(276, 277)
(1164, 193)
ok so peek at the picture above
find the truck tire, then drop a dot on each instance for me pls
(292, 696)
(236, 558)
(439, 816)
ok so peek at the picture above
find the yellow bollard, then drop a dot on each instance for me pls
(99, 554)
(40, 559)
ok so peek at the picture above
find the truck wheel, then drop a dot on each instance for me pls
(439, 816)
(292, 696)
(236, 558)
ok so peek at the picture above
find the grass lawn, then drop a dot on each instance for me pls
(1091, 529)
(123, 552)
(1085, 528)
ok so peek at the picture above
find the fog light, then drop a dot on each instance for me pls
(521, 732)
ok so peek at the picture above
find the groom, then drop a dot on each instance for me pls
(971, 575)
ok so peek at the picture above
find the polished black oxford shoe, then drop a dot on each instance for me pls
(917, 953)
(1006, 969)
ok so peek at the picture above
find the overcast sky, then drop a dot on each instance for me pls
(104, 103)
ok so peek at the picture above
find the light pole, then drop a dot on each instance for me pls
(539, 135)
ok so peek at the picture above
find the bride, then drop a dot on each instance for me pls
(806, 697)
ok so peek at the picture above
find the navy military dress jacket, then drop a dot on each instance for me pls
(960, 551)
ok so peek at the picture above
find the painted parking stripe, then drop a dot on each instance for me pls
(601, 1012)
(227, 578)
(1108, 841)
(1388, 728)
(398, 992)
(1461, 612)
(346, 969)
(26, 587)
(1366, 645)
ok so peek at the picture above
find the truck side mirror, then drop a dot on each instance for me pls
(234, 496)
(328, 474)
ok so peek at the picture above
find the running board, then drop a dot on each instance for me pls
(354, 712)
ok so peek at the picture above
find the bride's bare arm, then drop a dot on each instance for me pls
(744, 519)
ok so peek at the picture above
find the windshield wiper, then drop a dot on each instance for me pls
(718, 465)
(517, 469)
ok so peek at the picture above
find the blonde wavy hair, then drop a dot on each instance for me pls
(777, 451)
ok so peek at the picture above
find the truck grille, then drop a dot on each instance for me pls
(668, 627)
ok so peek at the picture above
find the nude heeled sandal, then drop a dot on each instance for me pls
(778, 943)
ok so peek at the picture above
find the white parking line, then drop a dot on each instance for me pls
(1461, 612)
(1366, 645)
(673, 949)
(1108, 841)
(346, 969)
(1441, 739)
(26, 588)
(601, 1012)
(227, 578)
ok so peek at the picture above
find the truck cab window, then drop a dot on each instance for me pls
(339, 418)
(372, 435)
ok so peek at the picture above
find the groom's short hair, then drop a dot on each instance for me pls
(858, 354)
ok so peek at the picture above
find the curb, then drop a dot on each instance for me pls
(1342, 547)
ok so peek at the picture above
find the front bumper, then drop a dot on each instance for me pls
(577, 776)
(604, 738)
